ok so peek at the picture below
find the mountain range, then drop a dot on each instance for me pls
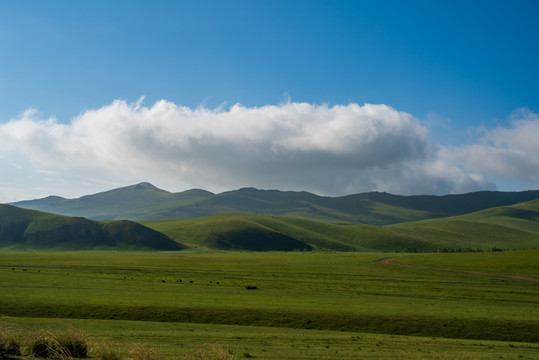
(263, 220)
(146, 202)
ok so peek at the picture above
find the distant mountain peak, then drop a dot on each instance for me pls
(249, 189)
(53, 197)
(145, 186)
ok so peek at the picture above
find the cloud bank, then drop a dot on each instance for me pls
(292, 146)
(505, 152)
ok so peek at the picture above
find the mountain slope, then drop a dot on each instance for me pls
(146, 202)
(508, 227)
(29, 229)
(131, 202)
(249, 232)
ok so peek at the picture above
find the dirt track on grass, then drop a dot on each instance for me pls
(391, 262)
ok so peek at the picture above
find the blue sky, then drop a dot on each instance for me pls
(466, 72)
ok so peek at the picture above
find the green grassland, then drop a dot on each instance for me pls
(522, 263)
(180, 340)
(507, 227)
(343, 293)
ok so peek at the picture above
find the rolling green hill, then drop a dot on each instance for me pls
(146, 202)
(317, 235)
(29, 229)
(248, 230)
(507, 227)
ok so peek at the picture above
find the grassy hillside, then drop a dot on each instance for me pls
(317, 235)
(304, 222)
(508, 227)
(252, 232)
(29, 229)
(146, 202)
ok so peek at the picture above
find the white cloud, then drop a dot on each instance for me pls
(505, 152)
(329, 150)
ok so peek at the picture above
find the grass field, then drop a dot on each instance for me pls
(524, 263)
(176, 340)
(303, 305)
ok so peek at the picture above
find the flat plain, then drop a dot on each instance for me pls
(279, 305)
